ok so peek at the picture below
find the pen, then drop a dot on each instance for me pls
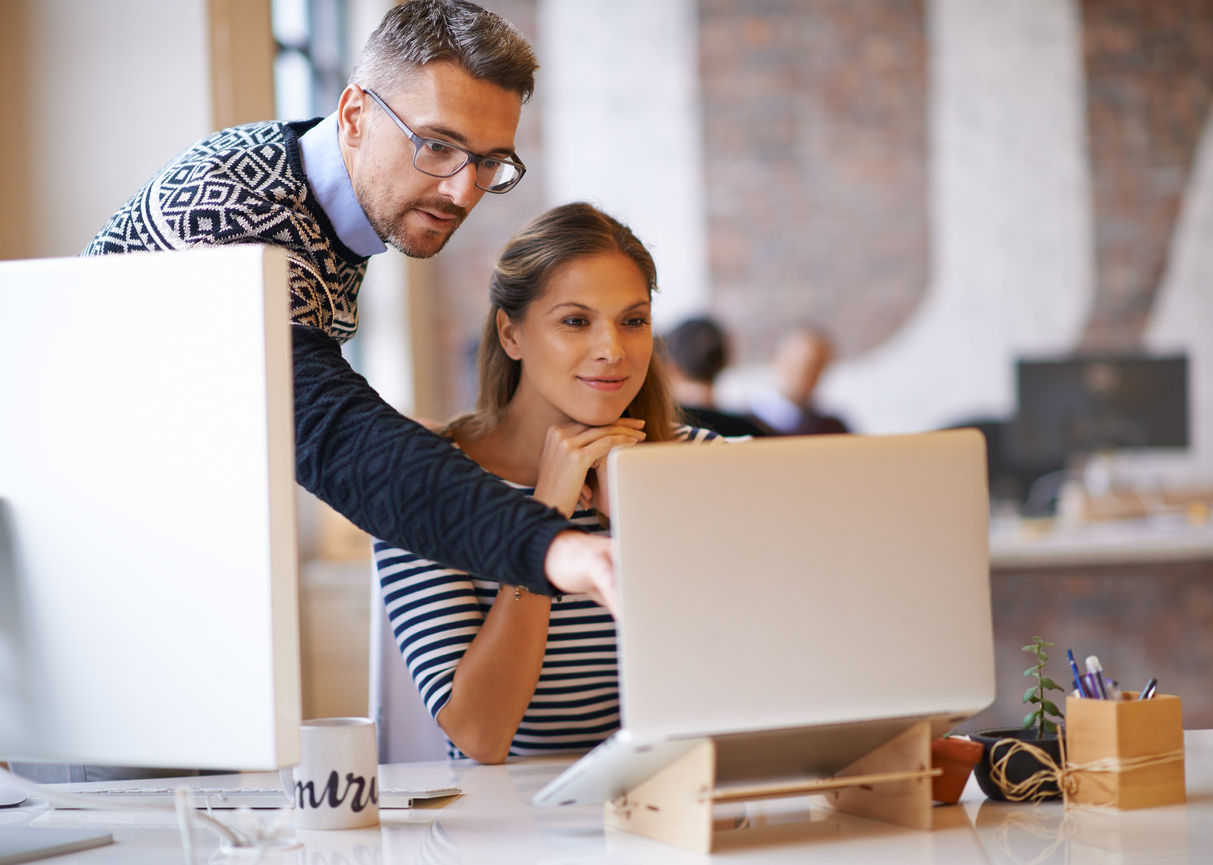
(1088, 683)
(1095, 671)
(1077, 678)
(1148, 691)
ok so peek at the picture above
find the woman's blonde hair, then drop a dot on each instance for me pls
(529, 259)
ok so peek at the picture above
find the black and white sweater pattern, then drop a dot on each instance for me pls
(247, 185)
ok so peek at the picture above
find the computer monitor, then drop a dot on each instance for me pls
(148, 566)
(1082, 405)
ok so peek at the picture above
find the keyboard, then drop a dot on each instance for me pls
(252, 797)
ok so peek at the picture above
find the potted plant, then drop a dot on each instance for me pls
(1038, 729)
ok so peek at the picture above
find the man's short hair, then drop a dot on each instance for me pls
(697, 347)
(417, 32)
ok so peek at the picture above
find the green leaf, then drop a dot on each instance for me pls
(1029, 695)
(1049, 707)
(1050, 685)
(1044, 657)
(1030, 719)
(1046, 643)
(1031, 648)
(1031, 671)
(1050, 726)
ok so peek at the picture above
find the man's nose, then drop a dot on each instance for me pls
(461, 187)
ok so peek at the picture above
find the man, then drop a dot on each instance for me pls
(698, 352)
(786, 406)
(424, 129)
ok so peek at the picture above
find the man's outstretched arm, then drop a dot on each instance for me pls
(396, 480)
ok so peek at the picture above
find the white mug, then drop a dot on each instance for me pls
(336, 784)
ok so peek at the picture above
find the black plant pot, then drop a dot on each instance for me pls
(1021, 766)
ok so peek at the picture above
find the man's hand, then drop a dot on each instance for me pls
(578, 563)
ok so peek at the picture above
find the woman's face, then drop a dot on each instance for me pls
(585, 343)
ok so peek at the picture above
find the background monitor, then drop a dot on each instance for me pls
(1089, 404)
(148, 572)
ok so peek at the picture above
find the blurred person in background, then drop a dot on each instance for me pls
(786, 405)
(698, 351)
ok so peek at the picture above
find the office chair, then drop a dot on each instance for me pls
(407, 732)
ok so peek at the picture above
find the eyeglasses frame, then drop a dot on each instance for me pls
(475, 159)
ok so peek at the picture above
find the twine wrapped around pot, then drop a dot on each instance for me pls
(1065, 776)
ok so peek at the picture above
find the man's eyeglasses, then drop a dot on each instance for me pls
(443, 159)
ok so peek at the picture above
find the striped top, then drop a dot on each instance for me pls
(436, 612)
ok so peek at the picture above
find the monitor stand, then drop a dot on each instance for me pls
(27, 843)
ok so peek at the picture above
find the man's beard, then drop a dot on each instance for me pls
(422, 244)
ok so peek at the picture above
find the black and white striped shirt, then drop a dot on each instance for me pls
(436, 612)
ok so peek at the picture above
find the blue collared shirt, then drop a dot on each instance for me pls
(329, 179)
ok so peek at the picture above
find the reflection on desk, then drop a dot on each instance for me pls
(493, 823)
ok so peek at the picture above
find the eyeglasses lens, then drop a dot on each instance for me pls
(502, 177)
(442, 160)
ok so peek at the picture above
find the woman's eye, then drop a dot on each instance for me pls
(637, 322)
(574, 321)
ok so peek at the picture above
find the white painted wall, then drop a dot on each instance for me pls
(622, 129)
(121, 88)
(1012, 258)
(1183, 321)
(384, 347)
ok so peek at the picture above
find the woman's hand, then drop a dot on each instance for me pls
(570, 451)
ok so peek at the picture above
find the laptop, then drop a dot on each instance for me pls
(801, 600)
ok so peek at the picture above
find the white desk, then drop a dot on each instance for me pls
(1019, 543)
(494, 823)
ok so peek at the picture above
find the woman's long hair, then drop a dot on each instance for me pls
(550, 241)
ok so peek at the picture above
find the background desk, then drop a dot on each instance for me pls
(493, 823)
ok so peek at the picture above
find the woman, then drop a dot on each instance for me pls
(567, 372)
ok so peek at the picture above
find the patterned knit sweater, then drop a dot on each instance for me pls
(246, 185)
(388, 475)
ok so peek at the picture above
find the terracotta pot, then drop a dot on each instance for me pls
(956, 757)
(1021, 766)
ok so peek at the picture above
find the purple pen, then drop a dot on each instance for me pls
(1089, 686)
(1095, 671)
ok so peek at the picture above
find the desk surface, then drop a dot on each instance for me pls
(494, 822)
(1022, 543)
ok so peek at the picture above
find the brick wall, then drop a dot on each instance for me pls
(816, 166)
(1149, 67)
(1140, 620)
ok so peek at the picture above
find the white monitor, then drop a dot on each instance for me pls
(148, 567)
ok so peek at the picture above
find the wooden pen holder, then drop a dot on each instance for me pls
(1126, 754)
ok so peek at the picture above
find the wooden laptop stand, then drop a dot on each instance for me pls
(891, 784)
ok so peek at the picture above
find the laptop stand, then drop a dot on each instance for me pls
(891, 784)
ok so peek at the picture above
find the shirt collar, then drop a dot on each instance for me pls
(330, 181)
(776, 410)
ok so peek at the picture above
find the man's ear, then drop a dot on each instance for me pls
(507, 333)
(352, 116)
